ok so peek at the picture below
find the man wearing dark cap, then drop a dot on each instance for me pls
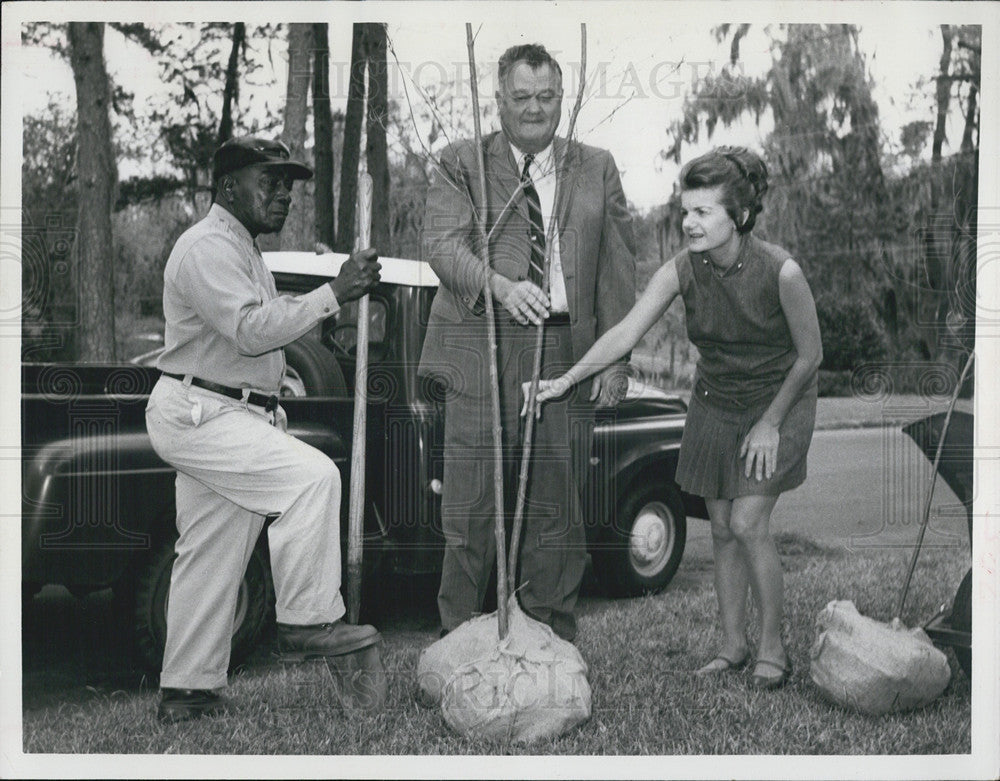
(214, 417)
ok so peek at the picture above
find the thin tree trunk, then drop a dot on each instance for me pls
(935, 266)
(298, 231)
(94, 250)
(352, 142)
(376, 151)
(323, 130)
(499, 532)
(970, 119)
(943, 92)
(231, 91)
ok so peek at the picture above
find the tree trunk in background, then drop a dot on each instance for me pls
(231, 91)
(352, 142)
(376, 148)
(943, 92)
(323, 130)
(970, 119)
(94, 251)
(298, 231)
(937, 236)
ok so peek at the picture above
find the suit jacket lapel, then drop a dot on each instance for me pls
(566, 176)
(569, 170)
(504, 174)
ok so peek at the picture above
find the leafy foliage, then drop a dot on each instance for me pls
(48, 216)
(852, 332)
(194, 60)
(832, 204)
(138, 189)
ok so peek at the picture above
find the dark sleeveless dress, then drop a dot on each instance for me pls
(745, 352)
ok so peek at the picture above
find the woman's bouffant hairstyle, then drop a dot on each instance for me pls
(742, 176)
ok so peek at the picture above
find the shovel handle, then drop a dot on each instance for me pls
(356, 511)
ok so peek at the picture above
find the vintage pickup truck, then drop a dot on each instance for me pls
(98, 504)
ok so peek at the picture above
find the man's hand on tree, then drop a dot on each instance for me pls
(525, 301)
(358, 275)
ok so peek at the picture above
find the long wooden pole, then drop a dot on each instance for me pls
(484, 250)
(356, 511)
(551, 236)
(930, 489)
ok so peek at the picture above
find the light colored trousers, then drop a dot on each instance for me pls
(235, 465)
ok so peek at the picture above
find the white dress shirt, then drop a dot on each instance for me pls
(543, 176)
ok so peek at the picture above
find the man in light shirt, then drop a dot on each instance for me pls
(214, 416)
(591, 287)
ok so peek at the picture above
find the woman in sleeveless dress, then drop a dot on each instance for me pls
(751, 314)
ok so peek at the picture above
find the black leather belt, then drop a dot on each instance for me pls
(269, 403)
(554, 318)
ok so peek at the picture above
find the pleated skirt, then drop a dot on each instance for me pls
(709, 463)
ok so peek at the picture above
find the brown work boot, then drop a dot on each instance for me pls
(185, 704)
(297, 643)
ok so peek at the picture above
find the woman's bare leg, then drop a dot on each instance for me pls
(749, 522)
(731, 581)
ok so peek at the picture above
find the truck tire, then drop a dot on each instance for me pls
(961, 619)
(311, 370)
(640, 552)
(151, 584)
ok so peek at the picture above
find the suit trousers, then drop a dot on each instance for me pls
(236, 466)
(554, 547)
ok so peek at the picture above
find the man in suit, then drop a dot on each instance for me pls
(591, 287)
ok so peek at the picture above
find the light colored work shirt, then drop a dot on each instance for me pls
(543, 176)
(225, 321)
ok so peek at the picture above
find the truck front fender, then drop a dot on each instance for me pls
(109, 495)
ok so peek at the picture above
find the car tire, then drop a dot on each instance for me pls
(151, 587)
(311, 370)
(961, 619)
(641, 550)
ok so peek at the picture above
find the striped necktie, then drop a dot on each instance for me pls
(536, 229)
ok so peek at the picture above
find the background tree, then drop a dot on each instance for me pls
(376, 147)
(831, 203)
(204, 66)
(97, 175)
(49, 215)
(939, 199)
(231, 91)
(352, 141)
(299, 227)
(323, 133)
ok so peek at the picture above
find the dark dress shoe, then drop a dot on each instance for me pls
(316, 641)
(186, 704)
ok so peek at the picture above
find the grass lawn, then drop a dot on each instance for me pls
(645, 701)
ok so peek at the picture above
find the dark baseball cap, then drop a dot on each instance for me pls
(237, 153)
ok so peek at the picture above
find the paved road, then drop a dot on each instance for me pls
(866, 489)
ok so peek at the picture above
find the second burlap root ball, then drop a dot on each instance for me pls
(874, 667)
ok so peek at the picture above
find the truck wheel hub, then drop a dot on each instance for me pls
(649, 542)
